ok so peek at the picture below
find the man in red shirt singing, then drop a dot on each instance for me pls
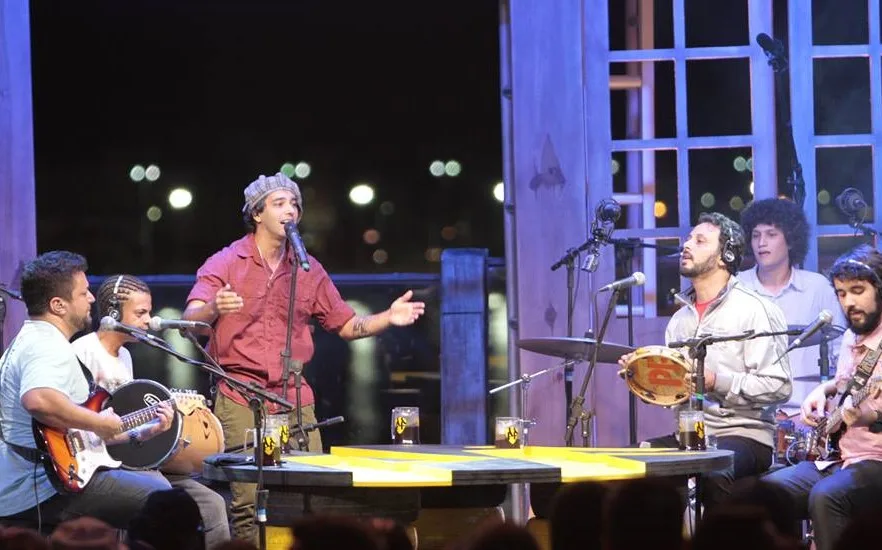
(243, 292)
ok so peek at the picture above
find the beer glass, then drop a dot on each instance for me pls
(509, 432)
(691, 430)
(406, 425)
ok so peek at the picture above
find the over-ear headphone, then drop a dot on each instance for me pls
(113, 307)
(728, 254)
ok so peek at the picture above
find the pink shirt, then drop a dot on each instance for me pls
(857, 443)
(248, 343)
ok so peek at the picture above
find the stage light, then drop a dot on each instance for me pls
(436, 168)
(180, 198)
(740, 164)
(361, 194)
(287, 169)
(302, 170)
(152, 173)
(499, 192)
(660, 209)
(137, 173)
(371, 236)
(452, 168)
(708, 200)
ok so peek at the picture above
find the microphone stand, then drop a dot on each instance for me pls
(824, 360)
(258, 398)
(289, 365)
(598, 237)
(698, 351)
(863, 228)
(576, 410)
(779, 65)
(628, 248)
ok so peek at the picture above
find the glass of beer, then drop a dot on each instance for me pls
(509, 432)
(692, 430)
(406, 425)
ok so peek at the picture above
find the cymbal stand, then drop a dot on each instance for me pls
(523, 384)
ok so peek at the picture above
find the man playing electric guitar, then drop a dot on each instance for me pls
(41, 379)
(831, 492)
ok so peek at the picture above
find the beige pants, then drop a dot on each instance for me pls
(235, 419)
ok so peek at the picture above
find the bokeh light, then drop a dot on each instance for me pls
(499, 192)
(361, 194)
(137, 173)
(154, 213)
(452, 168)
(180, 198)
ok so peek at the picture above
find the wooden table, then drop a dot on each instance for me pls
(396, 481)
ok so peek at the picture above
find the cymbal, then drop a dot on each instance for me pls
(827, 333)
(574, 348)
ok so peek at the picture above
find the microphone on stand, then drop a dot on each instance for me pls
(772, 46)
(158, 323)
(824, 318)
(607, 212)
(636, 279)
(297, 245)
(851, 202)
(111, 324)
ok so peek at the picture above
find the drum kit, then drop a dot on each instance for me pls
(659, 375)
(195, 432)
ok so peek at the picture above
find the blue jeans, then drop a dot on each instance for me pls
(830, 497)
(113, 496)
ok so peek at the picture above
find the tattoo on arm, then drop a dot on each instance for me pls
(359, 328)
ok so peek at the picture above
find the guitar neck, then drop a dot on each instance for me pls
(143, 416)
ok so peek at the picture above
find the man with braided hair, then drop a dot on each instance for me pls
(243, 292)
(127, 299)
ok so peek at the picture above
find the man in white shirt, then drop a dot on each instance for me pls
(779, 237)
(40, 378)
(127, 299)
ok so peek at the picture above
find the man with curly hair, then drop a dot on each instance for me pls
(779, 237)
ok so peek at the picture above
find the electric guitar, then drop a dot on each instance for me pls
(71, 457)
(823, 441)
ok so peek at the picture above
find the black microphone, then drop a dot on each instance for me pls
(772, 46)
(851, 202)
(158, 323)
(297, 245)
(608, 210)
(109, 323)
(636, 279)
(824, 318)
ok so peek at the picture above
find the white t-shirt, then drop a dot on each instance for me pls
(39, 357)
(108, 371)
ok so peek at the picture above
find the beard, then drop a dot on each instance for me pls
(82, 323)
(870, 322)
(698, 268)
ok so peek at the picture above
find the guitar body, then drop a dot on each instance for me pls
(823, 443)
(71, 457)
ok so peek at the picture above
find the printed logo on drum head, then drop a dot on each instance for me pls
(151, 400)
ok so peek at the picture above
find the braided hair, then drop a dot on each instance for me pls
(115, 290)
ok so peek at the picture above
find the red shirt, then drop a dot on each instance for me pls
(248, 343)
